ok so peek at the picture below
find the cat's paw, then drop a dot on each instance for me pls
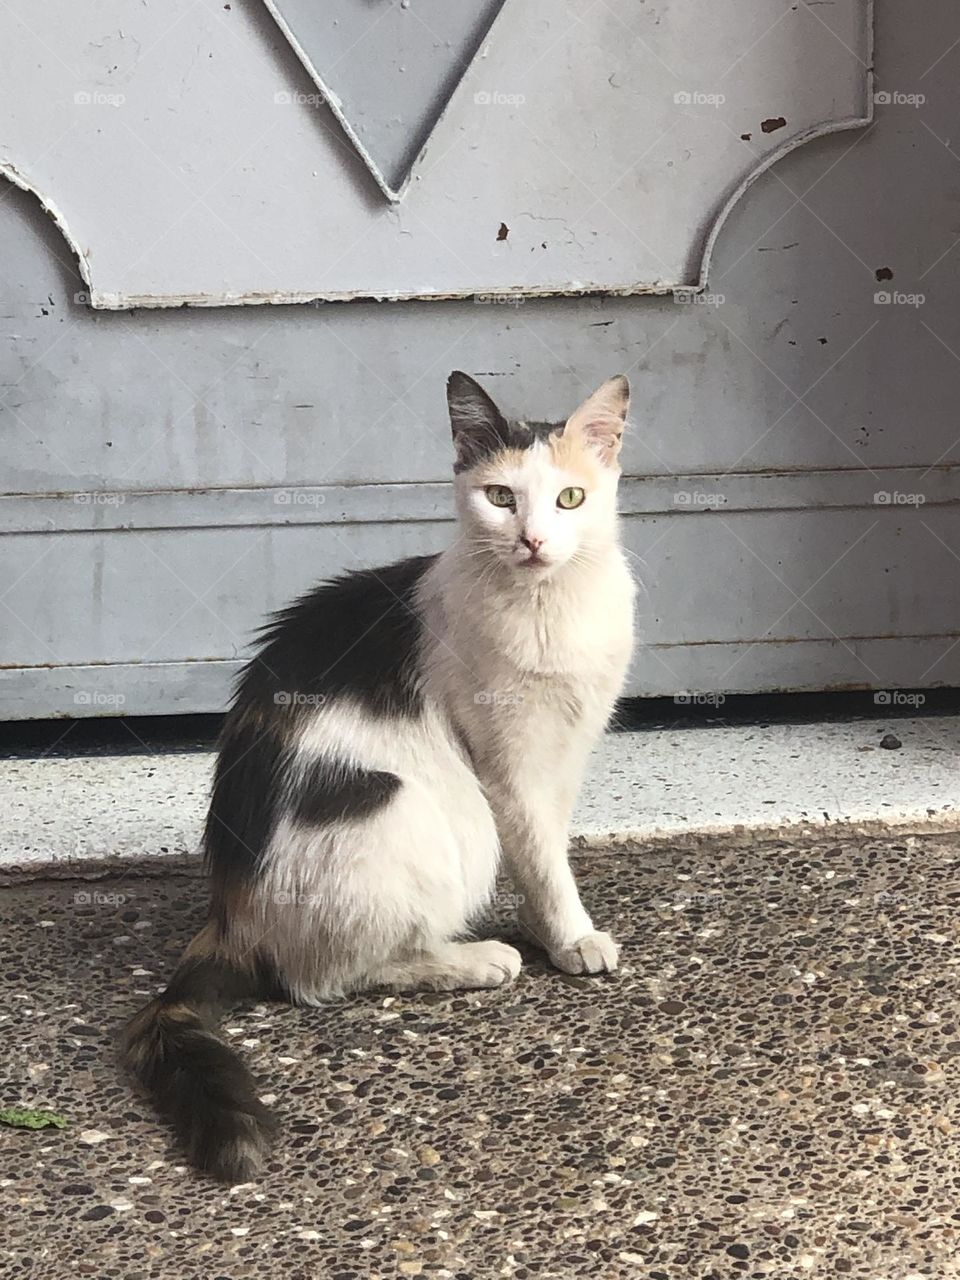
(593, 953)
(490, 964)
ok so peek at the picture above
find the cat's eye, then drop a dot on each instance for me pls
(570, 498)
(500, 495)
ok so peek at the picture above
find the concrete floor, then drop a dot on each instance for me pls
(768, 1088)
(659, 784)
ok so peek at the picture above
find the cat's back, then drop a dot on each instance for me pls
(326, 711)
(356, 637)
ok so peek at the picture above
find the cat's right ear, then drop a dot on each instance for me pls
(479, 428)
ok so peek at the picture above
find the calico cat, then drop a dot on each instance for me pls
(397, 728)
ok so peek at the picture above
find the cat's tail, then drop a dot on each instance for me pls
(198, 1084)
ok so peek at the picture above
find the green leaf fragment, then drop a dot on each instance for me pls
(27, 1118)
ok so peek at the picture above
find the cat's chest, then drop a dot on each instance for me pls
(585, 641)
(544, 648)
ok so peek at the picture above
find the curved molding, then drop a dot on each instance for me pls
(56, 215)
(823, 130)
(525, 189)
(768, 161)
(122, 302)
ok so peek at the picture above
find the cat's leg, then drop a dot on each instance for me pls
(533, 824)
(451, 966)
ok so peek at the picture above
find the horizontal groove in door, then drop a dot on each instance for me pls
(97, 511)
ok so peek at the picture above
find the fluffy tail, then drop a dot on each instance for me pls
(199, 1085)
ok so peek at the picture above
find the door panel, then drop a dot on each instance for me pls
(170, 476)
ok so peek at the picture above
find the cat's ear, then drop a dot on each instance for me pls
(600, 420)
(479, 427)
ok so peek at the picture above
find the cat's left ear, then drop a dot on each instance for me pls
(601, 418)
(479, 428)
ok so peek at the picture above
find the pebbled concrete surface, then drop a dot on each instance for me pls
(767, 1088)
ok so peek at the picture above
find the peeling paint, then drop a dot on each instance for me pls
(127, 301)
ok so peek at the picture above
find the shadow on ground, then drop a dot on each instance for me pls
(768, 1088)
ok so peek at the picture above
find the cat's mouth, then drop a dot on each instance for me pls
(534, 561)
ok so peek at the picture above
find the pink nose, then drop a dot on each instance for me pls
(532, 544)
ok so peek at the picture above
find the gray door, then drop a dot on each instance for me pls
(725, 210)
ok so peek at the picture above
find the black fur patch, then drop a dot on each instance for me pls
(508, 435)
(356, 636)
(329, 792)
(252, 770)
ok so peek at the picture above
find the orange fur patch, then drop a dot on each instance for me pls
(568, 452)
(571, 453)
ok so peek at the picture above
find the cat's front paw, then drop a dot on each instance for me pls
(489, 964)
(593, 953)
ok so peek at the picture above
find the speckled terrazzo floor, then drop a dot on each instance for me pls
(768, 1088)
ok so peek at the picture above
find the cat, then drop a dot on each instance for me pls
(397, 728)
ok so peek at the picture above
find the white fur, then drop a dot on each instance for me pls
(342, 899)
(520, 669)
(531, 672)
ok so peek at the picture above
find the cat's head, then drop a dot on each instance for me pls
(537, 495)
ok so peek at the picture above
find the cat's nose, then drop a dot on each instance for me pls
(533, 545)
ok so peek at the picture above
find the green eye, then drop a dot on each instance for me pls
(500, 495)
(570, 498)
